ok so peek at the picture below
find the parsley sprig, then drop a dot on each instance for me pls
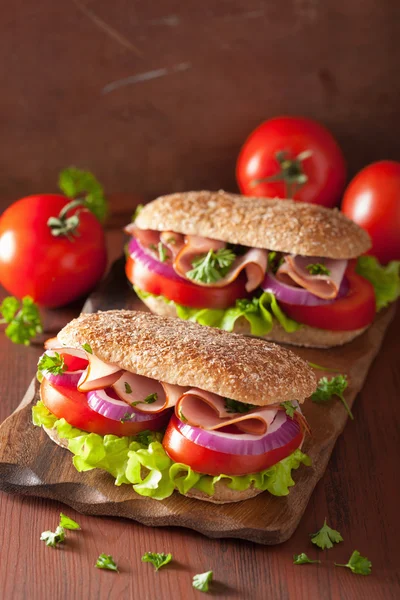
(358, 564)
(211, 267)
(332, 387)
(290, 409)
(326, 537)
(53, 364)
(22, 319)
(157, 559)
(318, 269)
(106, 561)
(302, 559)
(201, 581)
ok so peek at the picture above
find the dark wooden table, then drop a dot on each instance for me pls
(359, 495)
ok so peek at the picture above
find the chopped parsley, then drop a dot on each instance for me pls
(126, 417)
(317, 269)
(150, 399)
(234, 406)
(158, 560)
(211, 267)
(88, 348)
(128, 388)
(51, 538)
(68, 523)
(162, 252)
(275, 260)
(138, 209)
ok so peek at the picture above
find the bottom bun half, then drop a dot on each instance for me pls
(222, 495)
(306, 336)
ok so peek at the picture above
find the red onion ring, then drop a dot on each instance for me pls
(137, 252)
(282, 430)
(297, 295)
(104, 403)
(67, 379)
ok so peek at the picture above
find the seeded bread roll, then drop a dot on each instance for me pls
(184, 353)
(305, 336)
(274, 224)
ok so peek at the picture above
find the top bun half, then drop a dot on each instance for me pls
(179, 352)
(274, 224)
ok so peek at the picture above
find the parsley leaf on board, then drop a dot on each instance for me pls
(332, 387)
(234, 406)
(201, 581)
(88, 348)
(290, 409)
(317, 269)
(53, 364)
(326, 537)
(22, 319)
(157, 559)
(358, 564)
(211, 267)
(106, 561)
(68, 523)
(76, 183)
(302, 559)
(51, 538)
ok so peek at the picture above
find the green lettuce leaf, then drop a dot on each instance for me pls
(385, 279)
(142, 462)
(258, 312)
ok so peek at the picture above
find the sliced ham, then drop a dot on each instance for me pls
(132, 388)
(98, 375)
(207, 410)
(254, 262)
(146, 237)
(294, 271)
(173, 241)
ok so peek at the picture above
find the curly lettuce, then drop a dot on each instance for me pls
(142, 462)
(385, 279)
(259, 313)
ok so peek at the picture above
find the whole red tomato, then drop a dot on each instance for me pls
(53, 269)
(372, 200)
(292, 157)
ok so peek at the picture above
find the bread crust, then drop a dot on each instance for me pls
(184, 353)
(274, 224)
(311, 337)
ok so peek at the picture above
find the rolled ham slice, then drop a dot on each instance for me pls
(254, 262)
(134, 389)
(173, 241)
(294, 271)
(98, 375)
(207, 410)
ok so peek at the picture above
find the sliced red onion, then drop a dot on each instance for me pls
(139, 253)
(102, 402)
(298, 295)
(282, 430)
(67, 379)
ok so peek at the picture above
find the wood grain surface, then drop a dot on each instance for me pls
(31, 464)
(359, 494)
(159, 96)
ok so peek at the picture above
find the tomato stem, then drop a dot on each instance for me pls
(66, 226)
(291, 172)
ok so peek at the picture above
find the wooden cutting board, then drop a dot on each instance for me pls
(31, 464)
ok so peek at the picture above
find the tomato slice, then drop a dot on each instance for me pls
(185, 292)
(74, 363)
(73, 407)
(211, 462)
(354, 311)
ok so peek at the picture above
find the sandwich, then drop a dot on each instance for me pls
(166, 405)
(282, 270)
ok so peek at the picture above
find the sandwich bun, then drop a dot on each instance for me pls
(273, 224)
(305, 336)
